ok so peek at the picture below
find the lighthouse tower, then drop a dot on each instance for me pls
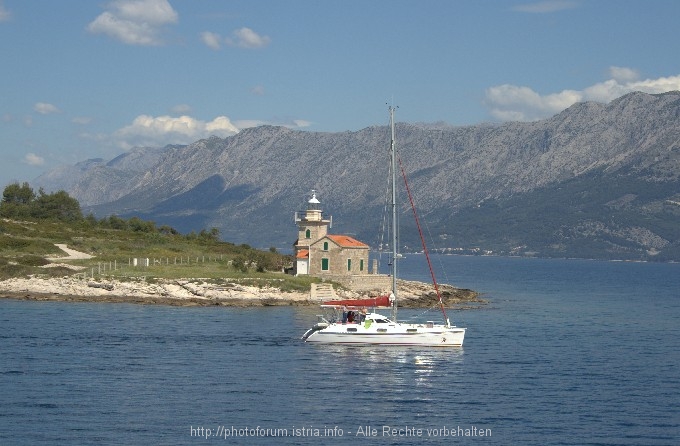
(311, 227)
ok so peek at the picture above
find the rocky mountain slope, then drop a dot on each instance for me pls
(597, 180)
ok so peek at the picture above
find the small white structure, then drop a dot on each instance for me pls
(140, 262)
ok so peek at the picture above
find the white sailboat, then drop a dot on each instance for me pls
(357, 326)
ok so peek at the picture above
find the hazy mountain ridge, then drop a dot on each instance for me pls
(249, 185)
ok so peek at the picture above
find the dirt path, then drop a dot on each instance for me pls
(72, 253)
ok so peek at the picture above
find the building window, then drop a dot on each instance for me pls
(361, 264)
(308, 233)
(349, 264)
(325, 246)
(324, 264)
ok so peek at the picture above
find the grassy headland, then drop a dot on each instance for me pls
(28, 245)
(32, 224)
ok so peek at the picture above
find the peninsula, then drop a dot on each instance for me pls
(241, 292)
(49, 251)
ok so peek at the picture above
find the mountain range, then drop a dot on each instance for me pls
(594, 181)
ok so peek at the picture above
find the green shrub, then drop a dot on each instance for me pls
(32, 260)
(12, 243)
(9, 270)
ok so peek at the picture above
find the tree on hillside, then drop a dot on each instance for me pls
(58, 206)
(16, 201)
(115, 222)
(212, 235)
(139, 225)
(20, 201)
(18, 194)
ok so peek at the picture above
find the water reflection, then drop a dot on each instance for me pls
(387, 383)
(390, 365)
(385, 354)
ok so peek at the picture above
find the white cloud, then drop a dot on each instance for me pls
(288, 123)
(34, 160)
(158, 131)
(241, 38)
(623, 74)
(147, 130)
(545, 7)
(516, 103)
(247, 38)
(212, 40)
(135, 22)
(5, 15)
(155, 12)
(45, 109)
(221, 126)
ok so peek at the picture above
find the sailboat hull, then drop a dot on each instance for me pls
(392, 334)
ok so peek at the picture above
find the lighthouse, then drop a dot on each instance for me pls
(336, 257)
(311, 223)
(311, 227)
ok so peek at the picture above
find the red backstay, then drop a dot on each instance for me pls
(422, 240)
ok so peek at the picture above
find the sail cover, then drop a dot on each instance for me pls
(379, 301)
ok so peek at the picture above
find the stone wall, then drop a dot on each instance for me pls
(363, 282)
(337, 260)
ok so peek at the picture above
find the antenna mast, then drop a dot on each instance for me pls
(393, 173)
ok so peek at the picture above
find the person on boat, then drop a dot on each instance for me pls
(363, 315)
(350, 317)
(344, 314)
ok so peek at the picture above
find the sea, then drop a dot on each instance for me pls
(564, 352)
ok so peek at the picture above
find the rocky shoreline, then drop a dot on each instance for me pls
(195, 292)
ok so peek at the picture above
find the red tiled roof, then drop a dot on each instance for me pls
(302, 254)
(347, 242)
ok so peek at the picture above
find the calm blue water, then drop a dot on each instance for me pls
(566, 352)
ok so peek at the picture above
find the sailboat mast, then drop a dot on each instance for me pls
(393, 181)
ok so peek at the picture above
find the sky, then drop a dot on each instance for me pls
(92, 79)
